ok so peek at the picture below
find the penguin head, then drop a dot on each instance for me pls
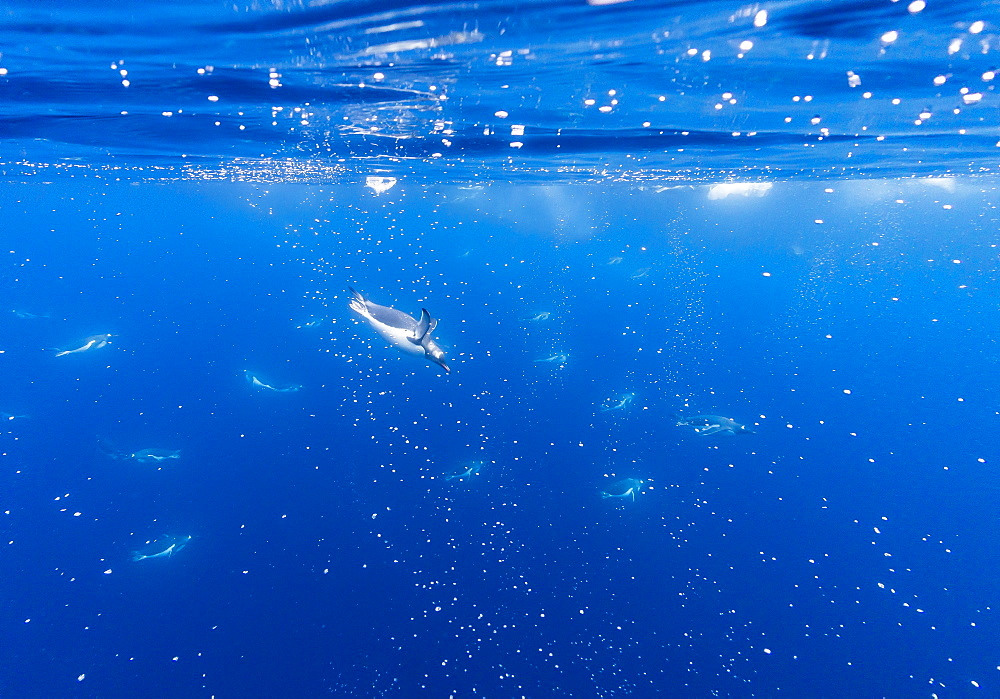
(436, 355)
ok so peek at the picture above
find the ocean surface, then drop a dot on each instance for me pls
(717, 285)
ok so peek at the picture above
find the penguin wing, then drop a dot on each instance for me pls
(424, 326)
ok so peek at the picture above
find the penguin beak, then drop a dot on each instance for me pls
(440, 362)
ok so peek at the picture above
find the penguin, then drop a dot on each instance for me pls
(89, 343)
(177, 543)
(257, 383)
(707, 425)
(624, 489)
(465, 472)
(401, 330)
(154, 456)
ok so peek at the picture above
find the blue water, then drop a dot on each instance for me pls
(592, 283)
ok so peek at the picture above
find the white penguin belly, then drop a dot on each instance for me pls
(397, 337)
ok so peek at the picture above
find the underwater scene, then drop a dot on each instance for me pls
(562, 348)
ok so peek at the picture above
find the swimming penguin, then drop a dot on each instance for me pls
(176, 544)
(153, 456)
(401, 330)
(707, 425)
(553, 359)
(626, 488)
(89, 343)
(465, 471)
(257, 383)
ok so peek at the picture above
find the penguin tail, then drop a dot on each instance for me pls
(358, 303)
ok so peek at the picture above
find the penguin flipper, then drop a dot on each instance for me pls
(424, 327)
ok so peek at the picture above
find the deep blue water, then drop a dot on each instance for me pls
(842, 306)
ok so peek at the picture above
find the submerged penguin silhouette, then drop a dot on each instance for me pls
(164, 547)
(153, 456)
(89, 343)
(625, 488)
(707, 425)
(401, 330)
